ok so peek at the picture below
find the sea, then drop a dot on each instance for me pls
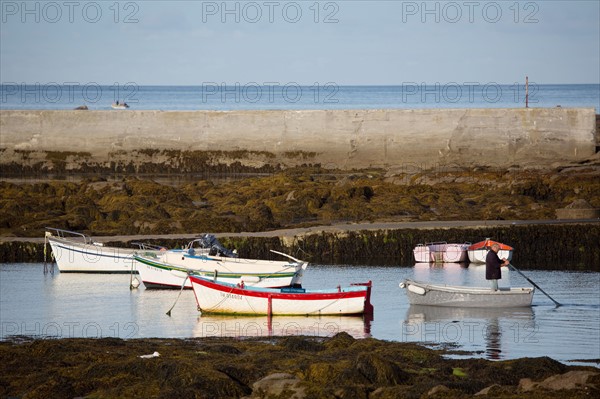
(54, 305)
(293, 96)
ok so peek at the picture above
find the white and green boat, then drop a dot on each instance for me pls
(205, 257)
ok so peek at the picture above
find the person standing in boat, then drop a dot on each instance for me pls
(492, 266)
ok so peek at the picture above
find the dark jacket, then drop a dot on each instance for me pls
(492, 266)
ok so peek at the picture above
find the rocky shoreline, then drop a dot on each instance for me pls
(297, 197)
(274, 367)
(319, 212)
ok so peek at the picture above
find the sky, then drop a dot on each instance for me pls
(306, 42)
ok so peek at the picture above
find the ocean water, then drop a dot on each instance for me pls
(94, 305)
(270, 96)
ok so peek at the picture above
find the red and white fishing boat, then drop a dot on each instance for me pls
(224, 298)
(478, 251)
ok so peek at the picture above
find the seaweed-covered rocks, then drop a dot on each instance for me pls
(286, 367)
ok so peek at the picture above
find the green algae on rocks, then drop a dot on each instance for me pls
(295, 197)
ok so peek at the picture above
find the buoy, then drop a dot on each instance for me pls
(135, 282)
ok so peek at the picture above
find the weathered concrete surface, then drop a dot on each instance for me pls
(334, 138)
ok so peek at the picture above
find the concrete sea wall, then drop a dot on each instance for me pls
(343, 139)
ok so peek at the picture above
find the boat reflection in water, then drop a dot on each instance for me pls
(263, 326)
(480, 330)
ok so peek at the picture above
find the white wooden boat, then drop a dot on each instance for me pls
(223, 298)
(456, 253)
(472, 297)
(478, 251)
(205, 256)
(429, 252)
(77, 253)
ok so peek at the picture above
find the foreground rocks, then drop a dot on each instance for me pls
(291, 367)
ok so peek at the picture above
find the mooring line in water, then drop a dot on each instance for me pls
(180, 291)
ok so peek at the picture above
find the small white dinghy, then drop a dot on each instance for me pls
(430, 252)
(469, 297)
(438, 252)
(456, 253)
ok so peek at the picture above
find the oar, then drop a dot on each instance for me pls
(534, 284)
(180, 291)
(287, 256)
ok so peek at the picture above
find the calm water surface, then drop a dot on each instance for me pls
(87, 305)
(411, 95)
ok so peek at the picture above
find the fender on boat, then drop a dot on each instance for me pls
(416, 289)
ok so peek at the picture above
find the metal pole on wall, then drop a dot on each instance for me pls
(526, 91)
